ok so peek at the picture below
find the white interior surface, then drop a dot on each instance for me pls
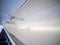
(41, 25)
(36, 36)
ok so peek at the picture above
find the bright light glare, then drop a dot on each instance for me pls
(45, 28)
(36, 28)
(1, 27)
(23, 27)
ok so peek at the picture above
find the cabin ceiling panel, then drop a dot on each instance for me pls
(34, 6)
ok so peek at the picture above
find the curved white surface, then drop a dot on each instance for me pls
(41, 25)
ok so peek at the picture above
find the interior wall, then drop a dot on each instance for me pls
(32, 30)
(28, 32)
(35, 6)
(50, 17)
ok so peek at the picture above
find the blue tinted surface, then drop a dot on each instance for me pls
(8, 7)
